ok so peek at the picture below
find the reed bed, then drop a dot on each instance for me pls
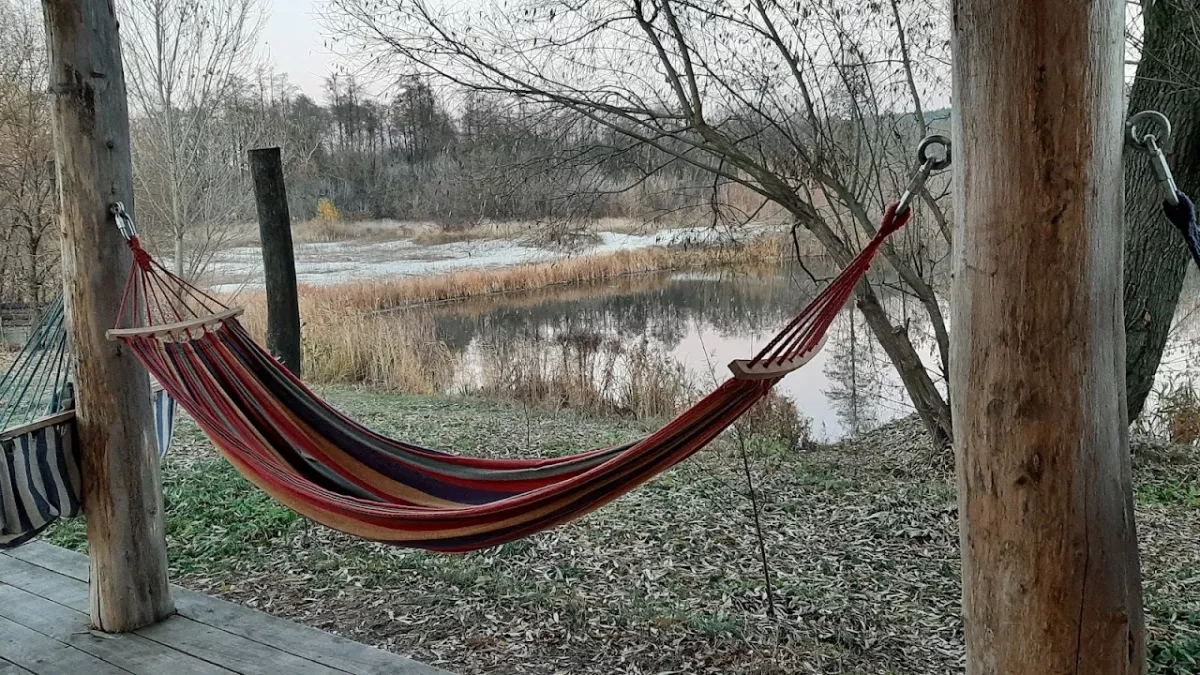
(586, 371)
(382, 334)
(377, 295)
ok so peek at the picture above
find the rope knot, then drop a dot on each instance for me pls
(141, 257)
(892, 221)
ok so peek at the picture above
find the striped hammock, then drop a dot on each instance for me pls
(320, 463)
(39, 463)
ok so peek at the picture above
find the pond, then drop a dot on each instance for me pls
(701, 321)
(704, 321)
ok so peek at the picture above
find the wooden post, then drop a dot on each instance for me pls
(279, 262)
(122, 491)
(1051, 582)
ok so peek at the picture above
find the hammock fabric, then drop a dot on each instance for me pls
(313, 459)
(39, 479)
(39, 462)
(1183, 217)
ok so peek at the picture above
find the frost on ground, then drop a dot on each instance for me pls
(325, 264)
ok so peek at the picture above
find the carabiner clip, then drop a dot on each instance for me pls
(926, 165)
(124, 222)
(1149, 143)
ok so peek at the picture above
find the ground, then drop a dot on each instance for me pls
(861, 540)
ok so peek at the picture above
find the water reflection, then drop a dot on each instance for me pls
(703, 321)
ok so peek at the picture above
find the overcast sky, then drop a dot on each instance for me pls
(296, 44)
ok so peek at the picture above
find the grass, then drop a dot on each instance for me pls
(376, 295)
(862, 540)
(585, 371)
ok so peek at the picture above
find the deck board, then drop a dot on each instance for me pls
(131, 652)
(10, 668)
(46, 656)
(43, 629)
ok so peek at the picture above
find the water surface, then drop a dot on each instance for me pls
(702, 321)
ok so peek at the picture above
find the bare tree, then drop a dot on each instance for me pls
(28, 238)
(1168, 80)
(186, 60)
(808, 104)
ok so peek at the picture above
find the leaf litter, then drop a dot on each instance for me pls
(861, 538)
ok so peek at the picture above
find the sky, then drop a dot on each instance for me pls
(294, 39)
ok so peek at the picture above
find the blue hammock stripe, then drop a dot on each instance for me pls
(39, 482)
(1183, 217)
(164, 421)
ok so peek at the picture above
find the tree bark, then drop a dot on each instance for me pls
(1051, 583)
(1156, 259)
(279, 262)
(122, 490)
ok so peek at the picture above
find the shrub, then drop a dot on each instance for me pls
(1179, 408)
(777, 417)
(327, 212)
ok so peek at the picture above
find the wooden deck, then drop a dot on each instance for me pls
(43, 630)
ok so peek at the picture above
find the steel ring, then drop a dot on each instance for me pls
(1137, 137)
(923, 152)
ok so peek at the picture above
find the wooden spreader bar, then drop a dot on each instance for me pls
(768, 369)
(181, 331)
(36, 425)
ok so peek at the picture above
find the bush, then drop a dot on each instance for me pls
(1179, 409)
(777, 417)
(327, 212)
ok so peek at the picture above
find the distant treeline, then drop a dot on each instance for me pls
(412, 155)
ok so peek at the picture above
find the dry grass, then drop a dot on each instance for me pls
(401, 353)
(381, 295)
(320, 231)
(350, 337)
(389, 294)
(586, 371)
(1179, 408)
(326, 230)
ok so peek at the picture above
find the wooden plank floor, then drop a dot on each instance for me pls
(43, 630)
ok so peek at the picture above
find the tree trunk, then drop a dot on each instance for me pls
(122, 490)
(179, 269)
(279, 263)
(1156, 259)
(929, 403)
(1051, 583)
(931, 406)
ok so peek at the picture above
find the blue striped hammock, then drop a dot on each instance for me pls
(40, 467)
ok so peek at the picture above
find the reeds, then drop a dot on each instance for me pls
(378, 295)
(586, 371)
(377, 334)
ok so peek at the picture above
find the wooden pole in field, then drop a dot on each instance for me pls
(122, 491)
(1051, 582)
(279, 262)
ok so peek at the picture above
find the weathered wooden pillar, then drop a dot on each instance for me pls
(1050, 568)
(279, 262)
(122, 491)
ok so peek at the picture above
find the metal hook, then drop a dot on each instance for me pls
(124, 222)
(926, 165)
(1149, 143)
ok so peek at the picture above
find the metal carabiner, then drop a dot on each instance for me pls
(124, 222)
(1149, 143)
(926, 165)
